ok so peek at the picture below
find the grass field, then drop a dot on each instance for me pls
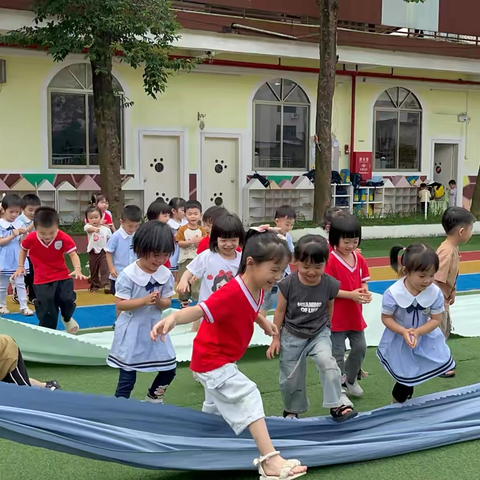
(460, 461)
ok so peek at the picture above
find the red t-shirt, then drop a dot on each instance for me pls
(225, 332)
(347, 314)
(205, 245)
(48, 260)
(167, 264)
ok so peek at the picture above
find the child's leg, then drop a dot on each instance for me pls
(401, 393)
(183, 298)
(29, 283)
(4, 283)
(103, 271)
(46, 307)
(93, 260)
(19, 374)
(293, 373)
(126, 382)
(65, 299)
(162, 381)
(21, 292)
(338, 349)
(354, 361)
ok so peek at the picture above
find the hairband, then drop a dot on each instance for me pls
(267, 228)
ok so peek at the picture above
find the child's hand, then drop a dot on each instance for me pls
(361, 296)
(150, 299)
(196, 240)
(183, 286)
(19, 272)
(452, 298)
(193, 280)
(270, 329)
(113, 272)
(15, 233)
(274, 348)
(358, 251)
(22, 230)
(409, 335)
(162, 328)
(78, 275)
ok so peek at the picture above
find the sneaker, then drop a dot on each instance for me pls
(106, 290)
(154, 399)
(52, 385)
(4, 311)
(26, 312)
(354, 389)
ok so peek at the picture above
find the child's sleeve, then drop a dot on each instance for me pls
(334, 287)
(217, 307)
(123, 287)
(203, 245)
(27, 243)
(198, 266)
(389, 305)
(439, 304)
(168, 289)
(68, 245)
(180, 237)
(364, 272)
(290, 243)
(444, 266)
(284, 286)
(112, 244)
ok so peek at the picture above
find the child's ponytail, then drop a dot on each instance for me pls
(93, 200)
(394, 253)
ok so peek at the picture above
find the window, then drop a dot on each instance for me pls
(73, 138)
(398, 131)
(281, 126)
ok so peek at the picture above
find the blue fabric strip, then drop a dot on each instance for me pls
(174, 438)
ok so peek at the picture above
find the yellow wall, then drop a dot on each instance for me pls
(226, 100)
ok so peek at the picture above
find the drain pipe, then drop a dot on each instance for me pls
(352, 120)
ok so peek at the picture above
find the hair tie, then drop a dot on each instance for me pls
(404, 248)
(281, 237)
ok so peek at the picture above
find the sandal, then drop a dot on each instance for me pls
(288, 415)
(284, 473)
(449, 374)
(4, 311)
(71, 326)
(26, 312)
(52, 385)
(340, 414)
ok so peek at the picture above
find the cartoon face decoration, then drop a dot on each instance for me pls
(221, 279)
(438, 168)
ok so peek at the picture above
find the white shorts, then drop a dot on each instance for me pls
(233, 396)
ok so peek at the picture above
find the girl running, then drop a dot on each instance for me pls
(413, 348)
(223, 338)
(143, 290)
(351, 270)
(218, 265)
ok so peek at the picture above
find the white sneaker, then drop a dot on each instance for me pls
(354, 389)
(158, 400)
(26, 312)
(4, 311)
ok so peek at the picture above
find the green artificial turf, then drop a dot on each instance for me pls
(461, 461)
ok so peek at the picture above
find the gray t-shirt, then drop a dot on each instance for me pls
(307, 305)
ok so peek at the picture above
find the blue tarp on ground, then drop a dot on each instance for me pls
(169, 437)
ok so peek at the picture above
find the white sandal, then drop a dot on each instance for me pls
(26, 312)
(4, 311)
(71, 326)
(288, 466)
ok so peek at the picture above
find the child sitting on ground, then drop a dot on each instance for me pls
(284, 221)
(46, 247)
(143, 290)
(458, 225)
(11, 233)
(188, 238)
(98, 236)
(302, 316)
(119, 250)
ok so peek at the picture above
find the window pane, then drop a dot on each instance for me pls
(402, 95)
(64, 79)
(386, 128)
(295, 138)
(411, 103)
(409, 143)
(393, 93)
(92, 128)
(267, 146)
(276, 86)
(384, 101)
(265, 93)
(79, 70)
(293, 93)
(68, 129)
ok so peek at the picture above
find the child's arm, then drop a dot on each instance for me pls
(278, 320)
(392, 325)
(134, 303)
(6, 240)
(77, 267)
(181, 317)
(330, 309)
(111, 268)
(184, 283)
(163, 303)
(430, 326)
(268, 327)
(360, 295)
(91, 229)
(22, 256)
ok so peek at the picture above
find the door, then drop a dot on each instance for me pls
(219, 172)
(445, 159)
(161, 167)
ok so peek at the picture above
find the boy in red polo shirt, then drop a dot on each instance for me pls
(53, 282)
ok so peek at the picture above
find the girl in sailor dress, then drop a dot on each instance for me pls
(143, 290)
(413, 348)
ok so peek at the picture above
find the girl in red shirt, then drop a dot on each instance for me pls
(229, 315)
(351, 270)
(101, 202)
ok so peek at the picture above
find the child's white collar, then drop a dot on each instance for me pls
(123, 233)
(138, 276)
(404, 298)
(16, 223)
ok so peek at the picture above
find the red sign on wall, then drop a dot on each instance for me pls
(363, 164)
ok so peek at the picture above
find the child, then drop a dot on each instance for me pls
(159, 210)
(188, 237)
(143, 290)
(328, 217)
(229, 315)
(452, 193)
(11, 232)
(413, 349)
(458, 224)
(177, 220)
(30, 203)
(304, 307)
(119, 251)
(350, 268)
(100, 201)
(217, 266)
(13, 369)
(46, 247)
(98, 236)
(208, 219)
(284, 221)
(425, 197)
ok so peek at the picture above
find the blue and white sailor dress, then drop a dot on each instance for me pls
(132, 347)
(431, 357)
(9, 253)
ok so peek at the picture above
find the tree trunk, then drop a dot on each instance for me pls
(475, 206)
(109, 150)
(326, 88)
